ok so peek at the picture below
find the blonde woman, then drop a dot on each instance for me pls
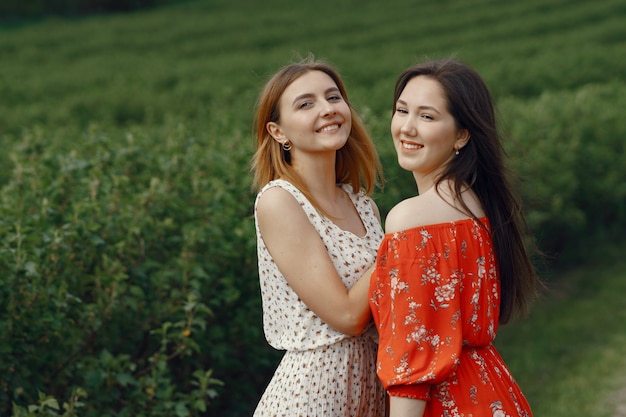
(317, 233)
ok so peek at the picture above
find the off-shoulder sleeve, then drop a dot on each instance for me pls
(415, 295)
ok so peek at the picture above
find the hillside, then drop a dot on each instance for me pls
(127, 251)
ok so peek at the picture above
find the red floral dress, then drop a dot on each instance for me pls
(435, 297)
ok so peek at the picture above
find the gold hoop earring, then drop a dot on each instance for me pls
(286, 145)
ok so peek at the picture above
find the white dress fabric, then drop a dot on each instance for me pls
(323, 372)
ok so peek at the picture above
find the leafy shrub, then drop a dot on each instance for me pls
(567, 147)
(129, 273)
(128, 280)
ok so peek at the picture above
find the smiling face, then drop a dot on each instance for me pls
(424, 132)
(314, 116)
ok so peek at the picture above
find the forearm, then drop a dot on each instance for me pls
(358, 314)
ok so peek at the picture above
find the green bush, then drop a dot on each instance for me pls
(128, 282)
(131, 266)
(567, 146)
(129, 273)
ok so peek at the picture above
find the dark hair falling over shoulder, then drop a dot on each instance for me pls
(480, 165)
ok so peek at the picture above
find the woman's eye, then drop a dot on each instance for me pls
(304, 104)
(334, 98)
(427, 116)
(401, 110)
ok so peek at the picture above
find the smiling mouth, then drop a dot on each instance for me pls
(411, 146)
(329, 128)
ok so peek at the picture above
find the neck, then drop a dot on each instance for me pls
(424, 183)
(319, 176)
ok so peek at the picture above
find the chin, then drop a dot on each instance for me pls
(406, 167)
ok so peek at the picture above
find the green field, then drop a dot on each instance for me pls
(569, 355)
(125, 204)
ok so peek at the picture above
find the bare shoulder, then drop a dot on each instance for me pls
(275, 199)
(277, 207)
(406, 214)
(432, 207)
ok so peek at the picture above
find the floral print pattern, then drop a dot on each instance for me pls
(435, 297)
(323, 372)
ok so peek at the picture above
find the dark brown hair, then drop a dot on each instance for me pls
(480, 165)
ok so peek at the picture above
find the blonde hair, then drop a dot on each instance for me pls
(357, 161)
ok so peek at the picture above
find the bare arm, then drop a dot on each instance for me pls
(302, 258)
(406, 407)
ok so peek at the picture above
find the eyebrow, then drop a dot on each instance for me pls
(308, 95)
(404, 103)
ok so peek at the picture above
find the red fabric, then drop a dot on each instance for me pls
(435, 298)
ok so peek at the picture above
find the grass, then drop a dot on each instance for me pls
(200, 65)
(569, 355)
(204, 61)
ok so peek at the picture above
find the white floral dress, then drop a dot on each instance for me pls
(323, 372)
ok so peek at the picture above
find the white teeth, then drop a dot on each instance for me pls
(411, 146)
(329, 128)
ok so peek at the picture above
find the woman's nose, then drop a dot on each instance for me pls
(408, 127)
(328, 109)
